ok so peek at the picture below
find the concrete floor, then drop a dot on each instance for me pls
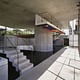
(65, 67)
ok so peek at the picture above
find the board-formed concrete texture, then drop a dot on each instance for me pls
(43, 40)
(8, 39)
(64, 68)
(21, 13)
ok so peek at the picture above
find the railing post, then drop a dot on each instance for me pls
(4, 41)
(17, 51)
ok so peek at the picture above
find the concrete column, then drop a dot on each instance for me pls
(43, 40)
(79, 27)
(73, 33)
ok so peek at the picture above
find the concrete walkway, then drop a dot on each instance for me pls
(65, 67)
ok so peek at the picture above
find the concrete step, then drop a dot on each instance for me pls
(20, 57)
(21, 63)
(10, 52)
(24, 63)
(25, 68)
(20, 60)
(1, 51)
(14, 55)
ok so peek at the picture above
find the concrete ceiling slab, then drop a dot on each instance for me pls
(21, 13)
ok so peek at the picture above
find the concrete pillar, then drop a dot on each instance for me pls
(43, 40)
(79, 27)
(73, 33)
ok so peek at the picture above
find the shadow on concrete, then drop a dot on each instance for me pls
(38, 70)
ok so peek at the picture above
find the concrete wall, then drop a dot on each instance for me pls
(21, 41)
(73, 40)
(59, 41)
(43, 40)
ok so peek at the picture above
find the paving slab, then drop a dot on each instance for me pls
(77, 74)
(75, 64)
(77, 58)
(71, 56)
(67, 61)
(55, 67)
(67, 73)
(61, 59)
(59, 78)
(65, 67)
(47, 76)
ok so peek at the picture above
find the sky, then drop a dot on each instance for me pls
(8, 29)
(73, 23)
(3, 27)
(66, 31)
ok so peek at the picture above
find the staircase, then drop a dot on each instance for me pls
(19, 61)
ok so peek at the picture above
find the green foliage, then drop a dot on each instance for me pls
(19, 32)
(28, 31)
(14, 32)
(10, 32)
(2, 31)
